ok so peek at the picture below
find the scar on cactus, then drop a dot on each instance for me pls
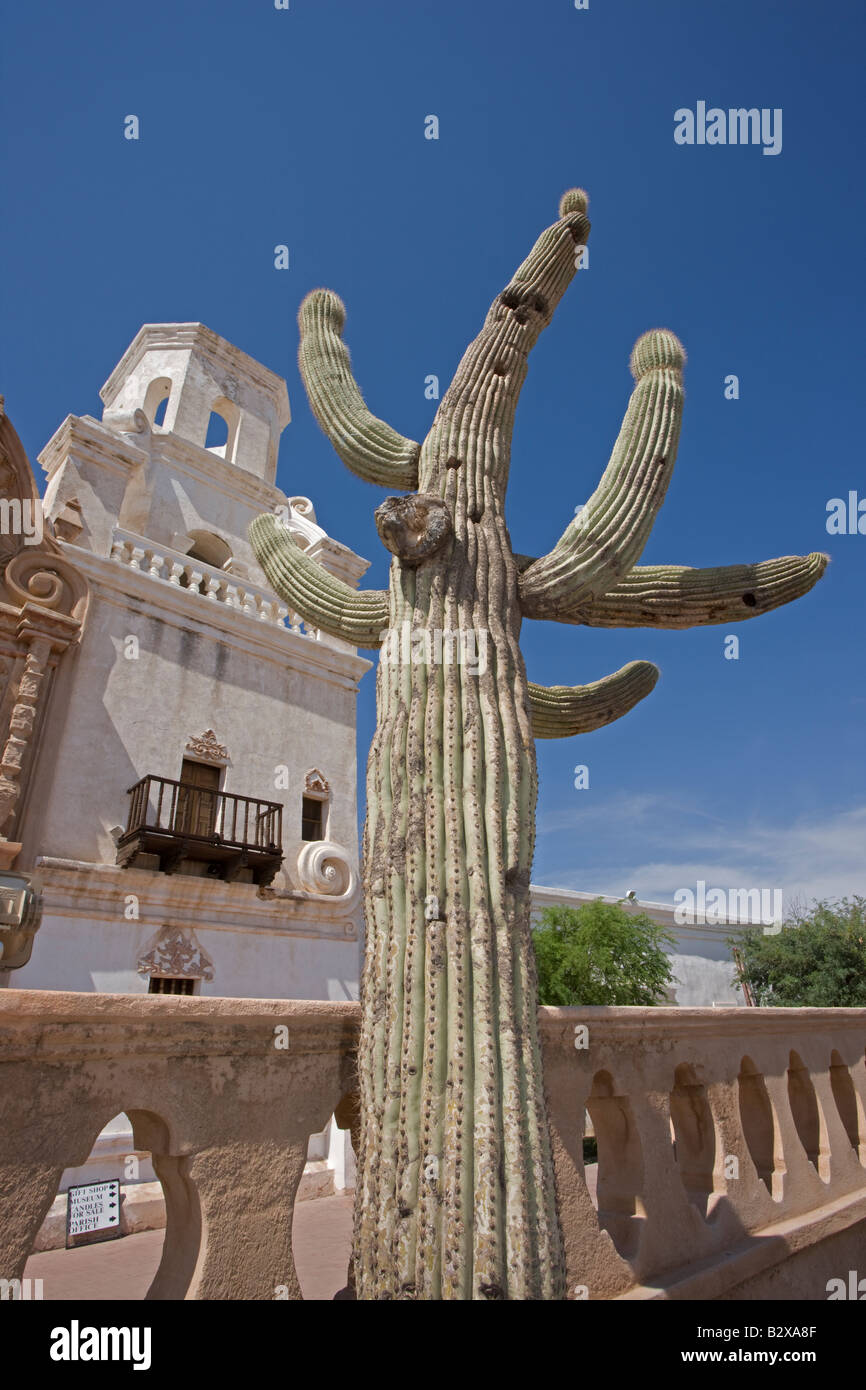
(456, 1189)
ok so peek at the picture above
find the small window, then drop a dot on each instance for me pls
(222, 429)
(156, 400)
(169, 984)
(217, 432)
(311, 818)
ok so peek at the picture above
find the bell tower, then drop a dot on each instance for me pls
(180, 375)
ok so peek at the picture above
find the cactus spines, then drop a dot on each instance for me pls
(323, 600)
(603, 542)
(573, 200)
(455, 1194)
(369, 447)
(558, 711)
(676, 596)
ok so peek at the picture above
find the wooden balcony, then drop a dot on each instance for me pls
(177, 821)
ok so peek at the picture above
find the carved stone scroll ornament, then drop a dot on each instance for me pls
(325, 867)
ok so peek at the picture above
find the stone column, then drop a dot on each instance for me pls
(21, 725)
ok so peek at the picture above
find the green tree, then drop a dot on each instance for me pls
(601, 954)
(817, 960)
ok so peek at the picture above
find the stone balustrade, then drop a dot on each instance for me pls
(731, 1142)
(223, 1093)
(731, 1149)
(215, 585)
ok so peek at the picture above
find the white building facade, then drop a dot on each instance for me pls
(179, 769)
(191, 814)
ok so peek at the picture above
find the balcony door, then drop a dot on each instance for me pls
(197, 799)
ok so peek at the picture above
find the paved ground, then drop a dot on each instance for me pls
(123, 1268)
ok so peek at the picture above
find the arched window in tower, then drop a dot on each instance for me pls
(217, 433)
(222, 429)
(210, 548)
(156, 400)
(314, 806)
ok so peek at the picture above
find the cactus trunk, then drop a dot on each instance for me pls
(456, 1193)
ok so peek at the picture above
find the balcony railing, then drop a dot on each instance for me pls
(215, 585)
(178, 821)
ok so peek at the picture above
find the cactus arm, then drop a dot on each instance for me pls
(675, 596)
(367, 446)
(603, 543)
(539, 282)
(323, 600)
(558, 711)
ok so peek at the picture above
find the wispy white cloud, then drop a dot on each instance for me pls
(820, 858)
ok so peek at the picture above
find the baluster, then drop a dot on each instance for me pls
(156, 564)
(177, 569)
(212, 588)
(136, 557)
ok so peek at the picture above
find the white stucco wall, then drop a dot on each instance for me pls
(78, 953)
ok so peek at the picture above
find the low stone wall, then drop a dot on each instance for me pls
(731, 1149)
(224, 1093)
(731, 1142)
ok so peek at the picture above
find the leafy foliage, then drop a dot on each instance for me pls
(817, 960)
(600, 953)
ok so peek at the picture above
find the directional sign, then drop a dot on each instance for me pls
(92, 1213)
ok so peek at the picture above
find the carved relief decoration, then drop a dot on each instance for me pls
(316, 785)
(43, 604)
(175, 951)
(21, 725)
(207, 747)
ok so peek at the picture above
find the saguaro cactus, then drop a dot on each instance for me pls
(455, 1195)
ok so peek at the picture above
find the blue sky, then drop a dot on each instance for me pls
(306, 127)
